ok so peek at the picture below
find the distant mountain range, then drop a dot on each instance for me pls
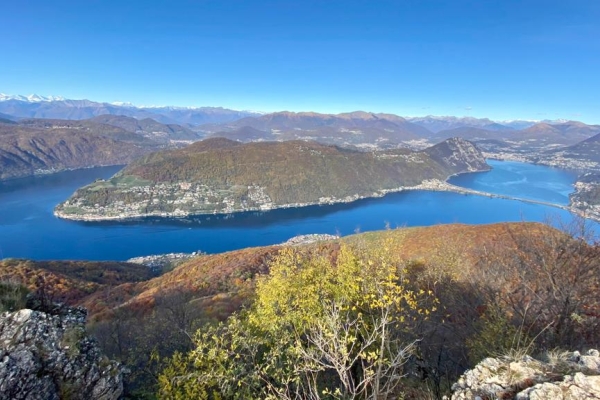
(32, 98)
(35, 106)
(369, 130)
(436, 124)
(537, 135)
(349, 129)
(174, 126)
(439, 123)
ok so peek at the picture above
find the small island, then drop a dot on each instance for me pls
(221, 176)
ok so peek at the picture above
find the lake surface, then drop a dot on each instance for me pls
(28, 228)
(527, 181)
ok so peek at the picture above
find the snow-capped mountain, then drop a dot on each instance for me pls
(32, 98)
(56, 107)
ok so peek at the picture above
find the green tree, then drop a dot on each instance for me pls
(320, 327)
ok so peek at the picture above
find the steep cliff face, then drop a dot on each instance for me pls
(562, 376)
(45, 356)
(458, 155)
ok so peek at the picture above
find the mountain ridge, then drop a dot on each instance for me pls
(434, 123)
(57, 107)
(34, 146)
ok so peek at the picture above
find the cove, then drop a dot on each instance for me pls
(29, 230)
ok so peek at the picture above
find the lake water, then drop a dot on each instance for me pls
(28, 228)
(527, 181)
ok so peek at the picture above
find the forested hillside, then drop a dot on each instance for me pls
(441, 298)
(38, 146)
(222, 176)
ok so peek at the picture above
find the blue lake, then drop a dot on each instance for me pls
(28, 228)
(527, 181)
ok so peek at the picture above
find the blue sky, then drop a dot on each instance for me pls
(501, 59)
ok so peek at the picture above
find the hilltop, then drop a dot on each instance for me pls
(223, 176)
(71, 281)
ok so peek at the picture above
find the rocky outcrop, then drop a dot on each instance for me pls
(46, 356)
(561, 376)
(458, 155)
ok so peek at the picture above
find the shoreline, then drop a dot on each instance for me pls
(428, 185)
(433, 185)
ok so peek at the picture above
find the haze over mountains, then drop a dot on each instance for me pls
(541, 134)
(35, 106)
(439, 123)
(356, 128)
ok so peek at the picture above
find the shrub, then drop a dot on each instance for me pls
(13, 296)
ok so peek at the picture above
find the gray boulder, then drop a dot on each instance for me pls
(567, 376)
(46, 356)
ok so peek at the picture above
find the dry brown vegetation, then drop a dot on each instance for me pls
(499, 287)
(71, 281)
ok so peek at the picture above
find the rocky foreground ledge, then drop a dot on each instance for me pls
(48, 356)
(567, 375)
